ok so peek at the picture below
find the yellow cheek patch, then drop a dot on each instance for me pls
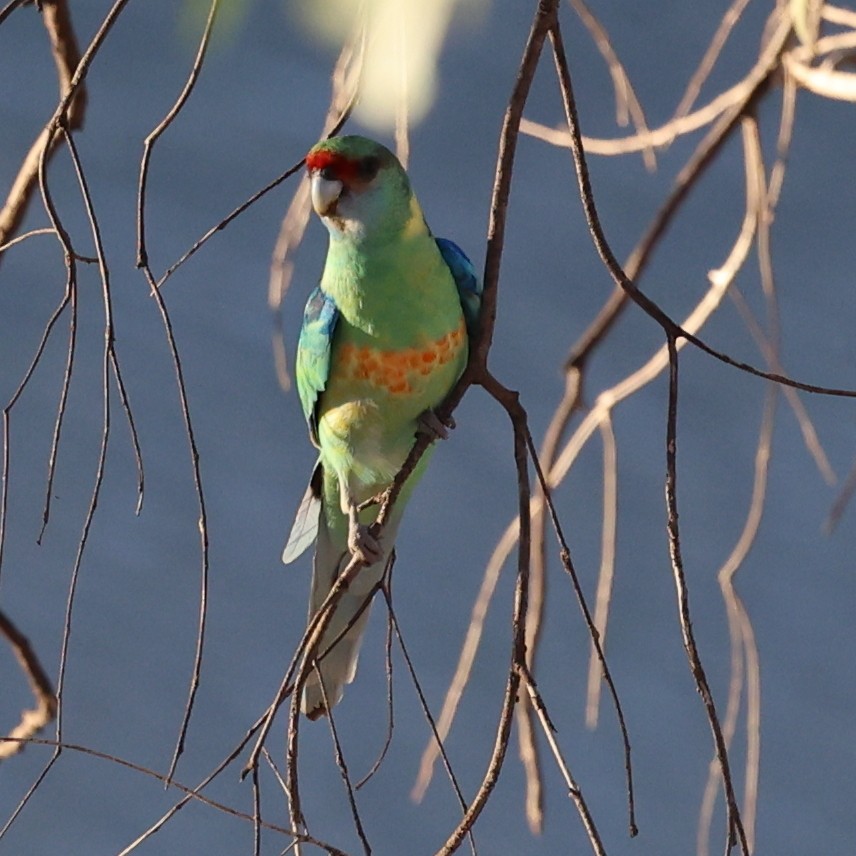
(397, 371)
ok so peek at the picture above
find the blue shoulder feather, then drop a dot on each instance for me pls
(469, 285)
(313, 353)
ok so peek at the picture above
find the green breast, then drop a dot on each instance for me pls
(399, 347)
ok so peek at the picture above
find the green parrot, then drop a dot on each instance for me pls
(384, 338)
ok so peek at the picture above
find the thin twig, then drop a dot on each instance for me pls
(314, 629)
(343, 767)
(466, 659)
(602, 408)
(714, 49)
(106, 363)
(257, 815)
(842, 500)
(234, 214)
(517, 415)
(70, 296)
(671, 330)
(626, 103)
(743, 648)
(390, 707)
(567, 564)
(574, 790)
(202, 520)
(426, 712)
(685, 181)
(143, 263)
(191, 793)
(26, 236)
(605, 252)
(110, 365)
(292, 792)
(723, 108)
(10, 7)
(305, 660)
(735, 824)
(155, 134)
(476, 368)
(105, 429)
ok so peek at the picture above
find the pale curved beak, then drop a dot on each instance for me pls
(325, 194)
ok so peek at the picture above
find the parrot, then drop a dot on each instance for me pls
(385, 336)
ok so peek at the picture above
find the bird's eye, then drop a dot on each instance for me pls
(327, 173)
(369, 167)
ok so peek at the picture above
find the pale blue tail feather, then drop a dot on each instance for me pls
(305, 526)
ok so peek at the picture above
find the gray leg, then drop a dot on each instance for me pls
(361, 542)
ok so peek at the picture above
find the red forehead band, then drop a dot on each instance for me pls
(343, 168)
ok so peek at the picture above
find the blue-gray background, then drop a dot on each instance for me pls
(258, 105)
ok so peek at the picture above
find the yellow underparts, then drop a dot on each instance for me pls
(373, 395)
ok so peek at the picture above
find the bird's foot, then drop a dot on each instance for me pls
(428, 423)
(363, 544)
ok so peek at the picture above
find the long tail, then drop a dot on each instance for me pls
(340, 645)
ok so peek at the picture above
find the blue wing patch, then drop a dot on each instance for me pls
(313, 353)
(469, 286)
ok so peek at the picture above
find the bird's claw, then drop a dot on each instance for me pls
(364, 545)
(428, 423)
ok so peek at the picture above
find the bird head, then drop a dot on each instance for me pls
(359, 189)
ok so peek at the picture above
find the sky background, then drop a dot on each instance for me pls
(257, 108)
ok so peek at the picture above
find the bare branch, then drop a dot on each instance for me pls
(34, 720)
(66, 54)
(724, 108)
(603, 595)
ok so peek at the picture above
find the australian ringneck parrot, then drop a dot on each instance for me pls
(384, 338)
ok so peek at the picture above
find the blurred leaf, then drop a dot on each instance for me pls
(404, 39)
